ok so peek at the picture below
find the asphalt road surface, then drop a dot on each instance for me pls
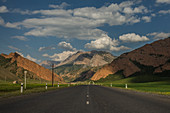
(87, 99)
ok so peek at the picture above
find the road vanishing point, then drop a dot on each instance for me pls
(87, 99)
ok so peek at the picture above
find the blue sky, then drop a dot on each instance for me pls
(54, 29)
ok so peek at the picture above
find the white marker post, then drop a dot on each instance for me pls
(126, 86)
(68, 85)
(111, 85)
(58, 85)
(25, 73)
(21, 87)
(46, 86)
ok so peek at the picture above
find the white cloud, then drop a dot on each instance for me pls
(105, 43)
(8, 24)
(46, 48)
(66, 46)
(159, 35)
(132, 37)
(119, 48)
(163, 1)
(140, 9)
(146, 18)
(60, 56)
(2, 23)
(14, 48)
(54, 12)
(4, 1)
(81, 23)
(23, 12)
(164, 11)
(61, 6)
(12, 25)
(32, 59)
(20, 38)
(3, 9)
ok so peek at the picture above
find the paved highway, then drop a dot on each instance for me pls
(87, 99)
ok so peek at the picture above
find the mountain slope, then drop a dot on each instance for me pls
(17, 64)
(91, 58)
(152, 58)
(82, 65)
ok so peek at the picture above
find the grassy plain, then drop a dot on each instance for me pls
(143, 83)
(7, 89)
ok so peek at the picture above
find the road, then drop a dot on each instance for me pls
(87, 99)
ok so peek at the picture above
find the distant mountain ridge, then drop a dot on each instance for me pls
(152, 58)
(90, 58)
(83, 64)
(21, 63)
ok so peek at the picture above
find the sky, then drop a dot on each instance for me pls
(55, 29)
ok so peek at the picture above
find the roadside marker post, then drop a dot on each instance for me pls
(126, 86)
(25, 73)
(111, 85)
(46, 86)
(21, 87)
(68, 85)
(58, 85)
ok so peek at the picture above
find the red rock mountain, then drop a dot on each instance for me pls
(31, 66)
(154, 56)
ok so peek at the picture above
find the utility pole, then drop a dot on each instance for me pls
(52, 75)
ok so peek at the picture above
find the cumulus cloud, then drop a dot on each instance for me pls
(82, 23)
(60, 56)
(46, 48)
(3, 9)
(4, 1)
(146, 18)
(140, 9)
(132, 37)
(61, 6)
(23, 12)
(2, 23)
(20, 38)
(164, 11)
(66, 46)
(163, 1)
(32, 59)
(14, 48)
(105, 43)
(159, 35)
(54, 12)
(8, 24)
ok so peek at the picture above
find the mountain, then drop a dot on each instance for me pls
(152, 59)
(75, 66)
(48, 63)
(91, 58)
(17, 64)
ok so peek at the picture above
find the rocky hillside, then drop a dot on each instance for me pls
(17, 64)
(152, 58)
(82, 64)
(91, 58)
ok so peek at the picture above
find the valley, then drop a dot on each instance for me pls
(144, 69)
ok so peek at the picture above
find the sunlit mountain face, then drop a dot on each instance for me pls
(54, 30)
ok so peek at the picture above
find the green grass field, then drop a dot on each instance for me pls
(144, 83)
(8, 89)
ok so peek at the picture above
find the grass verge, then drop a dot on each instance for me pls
(145, 83)
(8, 89)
